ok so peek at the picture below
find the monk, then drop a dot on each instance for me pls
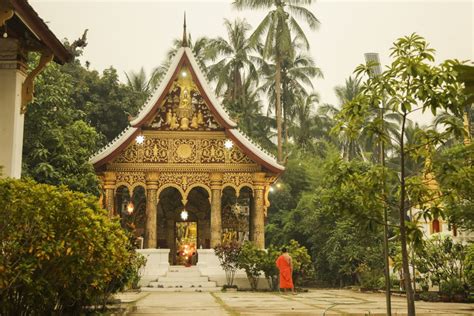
(285, 266)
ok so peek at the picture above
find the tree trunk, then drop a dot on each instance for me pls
(403, 232)
(278, 108)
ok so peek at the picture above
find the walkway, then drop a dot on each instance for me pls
(315, 302)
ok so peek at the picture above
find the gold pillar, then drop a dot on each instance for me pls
(216, 214)
(151, 211)
(258, 215)
(109, 187)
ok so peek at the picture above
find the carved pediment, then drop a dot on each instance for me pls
(189, 147)
(184, 108)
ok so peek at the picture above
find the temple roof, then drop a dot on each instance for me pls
(27, 22)
(184, 56)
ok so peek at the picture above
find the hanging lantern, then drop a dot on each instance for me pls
(130, 208)
(184, 215)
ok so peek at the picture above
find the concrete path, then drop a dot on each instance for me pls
(315, 302)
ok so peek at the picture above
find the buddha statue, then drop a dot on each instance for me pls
(194, 121)
(169, 115)
(200, 118)
(184, 123)
(174, 122)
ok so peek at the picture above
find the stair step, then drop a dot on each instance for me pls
(184, 284)
(183, 274)
(183, 278)
(203, 289)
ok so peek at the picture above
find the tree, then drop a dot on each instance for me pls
(138, 81)
(409, 84)
(57, 140)
(279, 24)
(233, 61)
(296, 81)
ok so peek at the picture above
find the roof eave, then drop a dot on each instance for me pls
(37, 26)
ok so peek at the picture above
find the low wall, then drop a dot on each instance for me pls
(157, 264)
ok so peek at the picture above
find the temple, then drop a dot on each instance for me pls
(183, 174)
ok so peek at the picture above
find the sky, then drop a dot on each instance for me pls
(130, 34)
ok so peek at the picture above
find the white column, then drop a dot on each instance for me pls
(12, 76)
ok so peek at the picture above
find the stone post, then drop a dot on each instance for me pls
(258, 215)
(216, 212)
(109, 187)
(151, 211)
(12, 76)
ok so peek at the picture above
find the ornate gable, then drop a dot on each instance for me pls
(184, 126)
(184, 108)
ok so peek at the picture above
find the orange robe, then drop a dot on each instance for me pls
(286, 279)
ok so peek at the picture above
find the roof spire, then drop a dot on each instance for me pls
(185, 39)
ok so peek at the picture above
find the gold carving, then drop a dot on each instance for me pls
(164, 149)
(184, 151)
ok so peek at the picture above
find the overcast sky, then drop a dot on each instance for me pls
(130, 34)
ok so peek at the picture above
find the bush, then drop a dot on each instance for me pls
(469, 266)
(269, 267)
(250, 259)
(228, 254)
(303, 268)
(453, 290)
(59, 251)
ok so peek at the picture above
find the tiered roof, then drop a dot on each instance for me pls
(184, 56)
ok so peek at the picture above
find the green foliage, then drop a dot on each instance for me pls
(250, 260)
(301, 260)
(57, 140)
(469, 266)
(59, 252)
(441, 260)
(228, 254)
(269, 267)
(455, 174)
(106, 102)
(453, 289)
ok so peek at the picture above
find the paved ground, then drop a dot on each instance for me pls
(315, 302)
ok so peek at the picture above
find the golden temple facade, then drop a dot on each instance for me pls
(184, 155)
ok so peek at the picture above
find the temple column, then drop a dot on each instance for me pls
(258, 215)
(151, 211)
(216, 212)
(12, 76)
(109, 186)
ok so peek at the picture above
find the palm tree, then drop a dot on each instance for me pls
(296, 79)
(234, 59)
(138, 81)
(200, 49)
(303, 128)
(280, 27)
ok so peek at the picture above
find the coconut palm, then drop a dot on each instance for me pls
(297, 76)
(138, 81)
(232, 60)
(200, 49)
(280, 26)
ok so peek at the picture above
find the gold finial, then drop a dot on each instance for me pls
(185, 39)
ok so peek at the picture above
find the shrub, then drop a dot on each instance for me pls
(59, 251)
(469, 266)
(452, 289)
(228, 254)
(303, 268)
(269, 267)
(250, 259)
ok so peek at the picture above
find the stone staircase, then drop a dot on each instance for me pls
(182, 279)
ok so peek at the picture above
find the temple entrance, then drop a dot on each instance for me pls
(186, 242)
(180, 225)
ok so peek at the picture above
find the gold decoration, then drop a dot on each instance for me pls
(184, 151)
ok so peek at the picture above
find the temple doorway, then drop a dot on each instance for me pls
(186, 243)
(179, 225)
